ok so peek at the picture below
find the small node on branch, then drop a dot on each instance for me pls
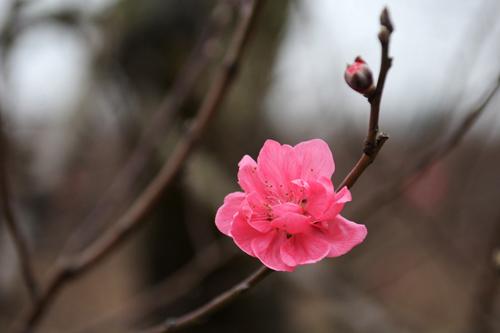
(382, 137)
(359, 77)
(384, 34)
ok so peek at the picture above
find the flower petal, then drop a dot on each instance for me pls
(327, 183)
(243, 234)
(344, 195)
(261, 216)
(225, 214)
(303, 249)
(318, 199)
(341, 197)
(292, 223)
(274, 165)
(315, 159)
(267, 249)
(343, 235)
(248, 176)
(260, 224)
(287, 207)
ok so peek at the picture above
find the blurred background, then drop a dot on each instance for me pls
(82, 81)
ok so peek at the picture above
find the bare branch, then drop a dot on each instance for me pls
(70, 268)
(421, 167)
(19, 240)
(373, 144)
(374, 140)
(161, 118)
(215, 304)
(488, 285)
(176, 285)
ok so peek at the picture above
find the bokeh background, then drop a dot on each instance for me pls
(81, 82)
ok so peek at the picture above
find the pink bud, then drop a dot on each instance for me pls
(359, 76)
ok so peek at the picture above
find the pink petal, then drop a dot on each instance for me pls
(287, 207)
(343, 235)
(225, 213)
(299, 189)
(267, 249)
(303, 249)
(248, 177)
(257, 204)
(261, 216)
(318, 199)
(315, 159)
(344, 195)
(292, 223)
(327, 183)
(341, 197)
(274, 165)
(243, 233)
(260, 224)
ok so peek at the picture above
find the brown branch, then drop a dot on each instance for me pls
(72, 267)
(488, 285)
(383, 197)
(215, 304)
(374, 140)
(19, 240)
(373, 144)
(157, 126)
(176, 285)
(457, 136)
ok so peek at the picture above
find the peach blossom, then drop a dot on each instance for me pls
(288, 213)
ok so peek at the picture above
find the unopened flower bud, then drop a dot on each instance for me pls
(359, 76)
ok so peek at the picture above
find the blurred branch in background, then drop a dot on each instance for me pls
(482, 305)
(176, 285)
(6, 205)
(438, 237)
(69, 268)
(433, 237)
(418, 170)
(20, 242)
(203, 54)
(221, 300)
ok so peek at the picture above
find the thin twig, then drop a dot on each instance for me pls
(19, 240)
(488, 285)
(158, 123)
(176, 285)
(374, 140)
(215, 304)
(73, 267)
(381, 198)
(373, 144)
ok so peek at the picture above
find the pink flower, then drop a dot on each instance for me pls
(288, 214)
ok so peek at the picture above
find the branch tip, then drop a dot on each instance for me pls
(374, 139)
(385, 20)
